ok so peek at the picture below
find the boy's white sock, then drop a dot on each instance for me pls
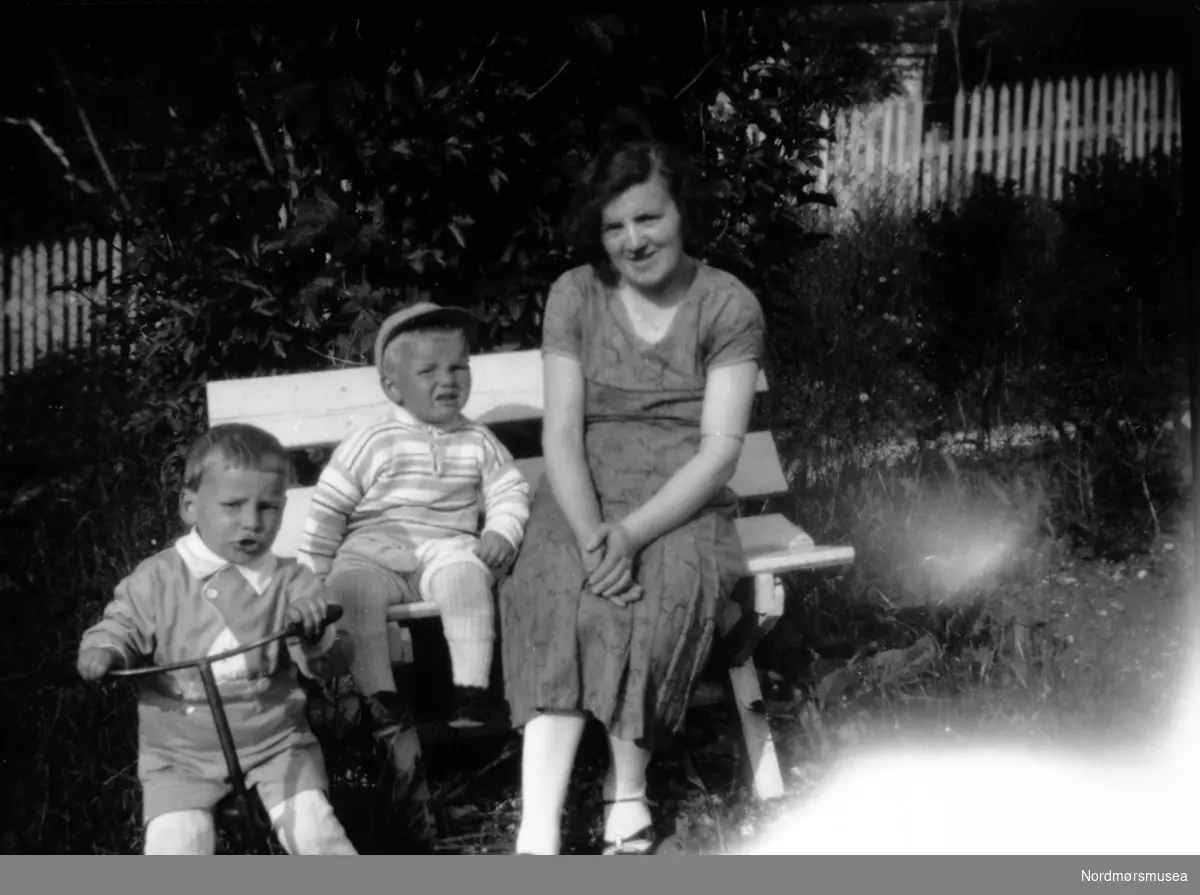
(364, 597)
(463, 592)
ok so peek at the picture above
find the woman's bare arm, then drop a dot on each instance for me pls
(563, 445)
(725, 416)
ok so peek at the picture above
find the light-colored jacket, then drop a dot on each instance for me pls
(185, 602)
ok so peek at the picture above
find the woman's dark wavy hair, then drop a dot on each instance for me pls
(629, 156)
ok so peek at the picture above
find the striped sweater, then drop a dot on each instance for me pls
(400, 483)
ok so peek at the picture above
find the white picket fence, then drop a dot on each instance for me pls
(1030, 132)
(49, 291)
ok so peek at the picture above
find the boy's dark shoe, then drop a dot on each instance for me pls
(472, 707)
(388, 710)
(394, 729)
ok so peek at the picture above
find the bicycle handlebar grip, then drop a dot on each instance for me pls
(332, 613)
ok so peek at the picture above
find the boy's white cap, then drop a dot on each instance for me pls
(426, 313)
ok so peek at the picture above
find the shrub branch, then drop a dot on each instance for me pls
(289, 149)
(87, 129)
(552, 79)
(34, 125)
(684, 89)
(257, 133)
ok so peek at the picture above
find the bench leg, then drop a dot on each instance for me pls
(769, 598)
(750, 616)
(763, 764)
(408, 742)
(400, 644)
(747, 624)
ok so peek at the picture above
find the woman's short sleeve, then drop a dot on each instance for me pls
(734, 331)
(562, 323)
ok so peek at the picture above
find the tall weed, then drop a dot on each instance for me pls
(85, 493)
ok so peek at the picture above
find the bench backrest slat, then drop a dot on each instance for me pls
(312, 409)
(306, 410)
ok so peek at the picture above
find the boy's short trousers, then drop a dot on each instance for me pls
(277, 776)
(413, 587)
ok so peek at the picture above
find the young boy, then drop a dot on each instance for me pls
(395, 515)
(215, 588)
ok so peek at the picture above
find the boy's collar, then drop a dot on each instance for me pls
(404, 416)
(204, 563)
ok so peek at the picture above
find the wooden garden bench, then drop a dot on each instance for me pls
(318, 410)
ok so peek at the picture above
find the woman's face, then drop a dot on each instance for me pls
(643, 234)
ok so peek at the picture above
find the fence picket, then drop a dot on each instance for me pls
(1031, 134)
(917, 141)
(972, 160)
(1003, 127)
(54, 315)
(1088, 149)
(1140, 116)
(904, 158)
(1060, 139)
(1169, 112)
(1018, 128)
(1127, 118)
(1076, 130)
(987, 133)
(1154, 122)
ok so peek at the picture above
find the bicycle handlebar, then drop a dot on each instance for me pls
(332, 613)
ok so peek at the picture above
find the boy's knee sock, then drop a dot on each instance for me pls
(306, 825)
(364, 597)
(189, 832)
(463, 592)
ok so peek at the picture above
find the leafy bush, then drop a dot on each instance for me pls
(1114, 372)
(989, 264)
(845, 348)
(325, 174)
(338, 172)
(1006, 317)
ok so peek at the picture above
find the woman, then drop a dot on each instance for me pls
(650, 362)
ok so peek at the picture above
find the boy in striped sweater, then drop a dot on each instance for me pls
(395, 515)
